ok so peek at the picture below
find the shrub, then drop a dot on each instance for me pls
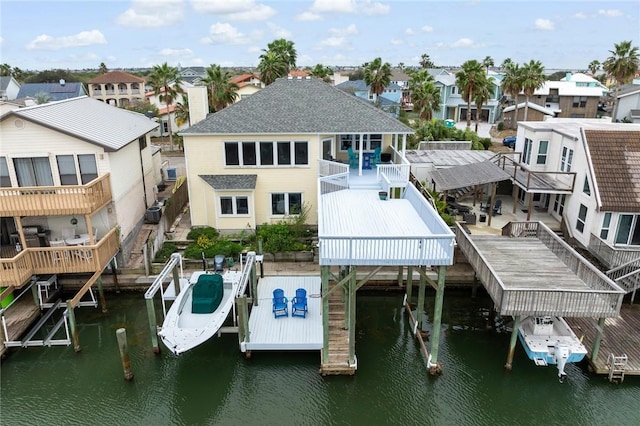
(500, 126)
(210, 233)
(486, 142)
(165, 252)
(222, 246)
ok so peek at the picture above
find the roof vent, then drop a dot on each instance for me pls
(62, 82)
(289, 77)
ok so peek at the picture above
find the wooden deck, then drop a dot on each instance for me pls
(338, 362)
(621, 336)
(19, 317)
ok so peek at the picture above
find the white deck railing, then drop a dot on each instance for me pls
(329, 168)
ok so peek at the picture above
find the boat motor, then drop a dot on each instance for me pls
(218, 262)
(561, 353)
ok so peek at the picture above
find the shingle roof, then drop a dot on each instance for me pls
(90, 120)
(116, 77)
(615, 156)
(231, 182)
(299, 106)
(56, 91)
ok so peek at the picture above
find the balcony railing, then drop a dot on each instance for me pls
(536, 181)
(56, 200)
(58, 260)
(612, 257)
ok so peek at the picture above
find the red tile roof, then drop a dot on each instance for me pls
(241, 78)
(115, 77)
(298, 73)
(615, 156)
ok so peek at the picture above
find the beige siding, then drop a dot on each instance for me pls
(198, 104)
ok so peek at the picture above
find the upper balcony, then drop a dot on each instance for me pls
(536, 181)
(56, 200)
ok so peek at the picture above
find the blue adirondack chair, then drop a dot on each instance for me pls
(299, 304)
(280, 302)
(376, 156)
(353, 158)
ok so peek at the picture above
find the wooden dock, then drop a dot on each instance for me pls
(338, 362)
(621, 336)
(19, 317)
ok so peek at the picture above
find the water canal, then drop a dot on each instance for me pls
(214, 384)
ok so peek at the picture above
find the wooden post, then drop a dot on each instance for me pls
(253, 278)
(114, 272)
(352, 317)
(492, 203)
(597, 340)
(35, 293)
(87, 221)
(153, 325)
(176, 280)
(512, 343)
(121, 335)
(409, 287)
(73, 327)
(18, 223)
(103, 301)
(400, 272)
(421, 289)
(474, 286)
(515, 198)
(243, 321)
(530, 207)
(434, 367)
(346, 294)
(324, 277)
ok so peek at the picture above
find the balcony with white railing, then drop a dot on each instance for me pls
(56, 200)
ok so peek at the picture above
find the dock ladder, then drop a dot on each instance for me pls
(617, 365)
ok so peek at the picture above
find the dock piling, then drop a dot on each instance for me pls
(73, 326)
(121, 335)
(597, 340)
(103, 301)
(153, 325)
(512, 344)
(434, 367)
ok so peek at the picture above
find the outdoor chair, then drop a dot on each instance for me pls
(299, 304)
(59, 255)
(376, 156)
(497, 208)
(353, 158)
(280, 308)
(485, 207)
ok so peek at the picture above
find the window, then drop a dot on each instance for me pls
(33, 171)
(249, 153)
(582, 217)
(67, 170)
(286, 203)
(606, 223)
(371, 142)
(586, 188)
(628, 230)
(5, 181)
(558, 204)
(542, 152)
(266, 153)
(142, 141)
(526, 152)
(579, 101)
(566, 160)
(234, 205)
(231, 154)
(301, 156)
(284, 152)
(88, 167)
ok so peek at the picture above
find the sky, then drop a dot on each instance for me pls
(81, 34)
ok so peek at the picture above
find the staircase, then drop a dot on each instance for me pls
(627, 275)
(338, 362)
(617, 365)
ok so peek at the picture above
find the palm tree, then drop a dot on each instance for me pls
(482, 93)
(222, 92)
(5, 70)
(594, 66)
(401, 66)
(466, 79)
(165, 81)
(377, 76)
(103, 68)
(271, 67)
(182, 112)
(622, 65)
(506, 63)
(512, 85)
(487, 63)
(41, 98)
(533, 78)
(322, 72)
(284, 49)
(425, 95)
(425, 61)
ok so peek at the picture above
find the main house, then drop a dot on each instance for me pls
(72, 173)
(585, 173)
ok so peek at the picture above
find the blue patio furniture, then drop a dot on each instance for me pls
(299, 304)
(376, 156)
(280, 302)
(497, 207)
(353, 158)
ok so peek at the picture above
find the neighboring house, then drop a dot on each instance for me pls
(388, 101)
(248, 84)
(53, 91)
(629, 104)
(165, 114)
(585, 172)
(9, 88)
(256, 161)
(117, 88)
(77, 165)
(535, 113)
(193, 75)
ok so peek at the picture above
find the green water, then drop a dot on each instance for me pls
(214, 384)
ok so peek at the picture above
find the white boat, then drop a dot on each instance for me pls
(199, 310)
(550, 340)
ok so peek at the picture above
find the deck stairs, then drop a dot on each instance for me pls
(627, 275)
(617, 366)
(338, 362)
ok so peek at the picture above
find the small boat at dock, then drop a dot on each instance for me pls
(550, 340)
(199, 310)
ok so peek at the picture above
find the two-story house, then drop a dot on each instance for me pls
(166, 113)
(585, 173)
(117, 88)
(248, 84)
(75, 172)
(389, 100)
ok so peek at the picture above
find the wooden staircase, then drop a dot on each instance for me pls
(627, 275)
(338, 362)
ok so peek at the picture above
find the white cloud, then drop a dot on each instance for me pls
(84, 38)
(463, 42)
(349, 30)
(224, 33)
(235, 10)
(610, 13)
(397, 42)
(427, 29)
(370, 8)
(259, 12)
(332, 42)
(175, 52)
(544, 24)
(1, 40)
(580, 15)
(308, 16)
(410, 31)
(278, 31)
(152, 14)
(333, 6)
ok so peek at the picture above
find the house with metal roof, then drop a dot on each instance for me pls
(117, 88)
(9, 88)
(628, 100)
(52, 91)
(300, 143)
